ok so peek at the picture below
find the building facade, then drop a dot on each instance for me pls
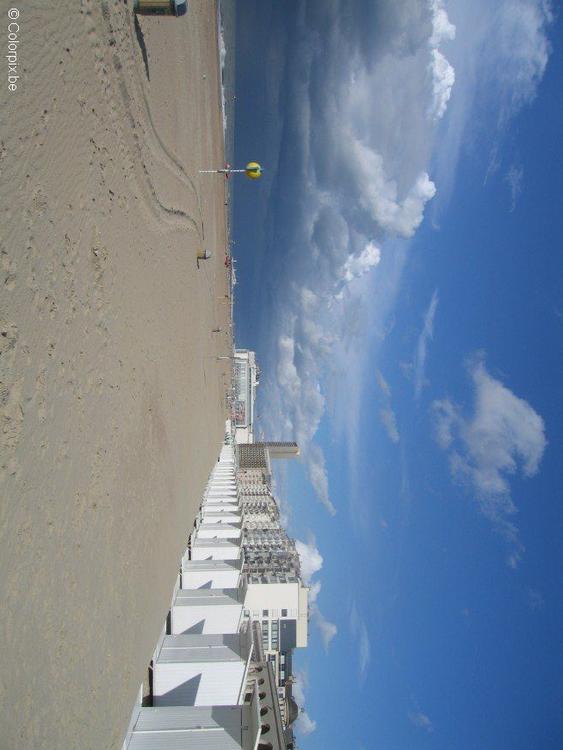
(275, 595)
(246, 376)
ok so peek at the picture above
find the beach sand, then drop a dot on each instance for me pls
(113, 401)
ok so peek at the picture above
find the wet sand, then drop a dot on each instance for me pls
(112, 399)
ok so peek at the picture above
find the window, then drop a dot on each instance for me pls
(284, 612)
(264, 613)
(275, 629)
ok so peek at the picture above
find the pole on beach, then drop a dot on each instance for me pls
(253, 170)
(222, 171)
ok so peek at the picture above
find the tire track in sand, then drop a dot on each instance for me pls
(175, 217)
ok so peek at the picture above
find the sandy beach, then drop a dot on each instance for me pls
(112, 396)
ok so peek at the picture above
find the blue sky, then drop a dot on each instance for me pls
(400, 277)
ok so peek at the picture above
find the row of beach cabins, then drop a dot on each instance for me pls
(210, 686)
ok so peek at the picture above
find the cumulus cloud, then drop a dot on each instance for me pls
(442, 74)
(304, 724)
(379, 194)
(314, 591)
(502, 434)
(422, 345)
(310, 558)
(443, 79)
(442, 28)
(375, 185)
(301, 403)
(388, 128)
(356, 265)
(311, 563)
(288, 378)
(359, 633)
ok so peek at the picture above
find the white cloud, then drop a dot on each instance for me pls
(500, 59)
(356, 265)
(421, 720)
(288, 378)
(311, 559)
(300, 403)
(501, 435)
(379, 194)
(382, 383)
(514, 179)
(442, 73)
(314, 591)
(522, 44)
(316, 465)
(371, 116)
(386, 414)
(375, 184)
(311, 563)
(422, 345)
(443, 79)
(389, 421)
(304, 724)
(359, 633)
(442, 28)
(327, 629)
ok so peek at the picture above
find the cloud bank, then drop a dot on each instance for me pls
(378, 100)
(363, 179)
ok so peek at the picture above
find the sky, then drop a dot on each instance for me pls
(400, 277)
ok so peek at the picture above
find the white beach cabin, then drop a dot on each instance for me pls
(197, 727)
(212, 574)
(207, 611)
(201, 670)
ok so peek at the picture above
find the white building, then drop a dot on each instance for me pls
(207, 611)
(219, 674)
(215, 549)
(197, 727)
(201, 670)
(282, 611)
(246, 374)
(212, 574)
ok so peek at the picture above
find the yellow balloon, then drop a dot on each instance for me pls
(253, 170)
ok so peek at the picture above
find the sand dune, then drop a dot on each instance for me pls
(112, 397)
